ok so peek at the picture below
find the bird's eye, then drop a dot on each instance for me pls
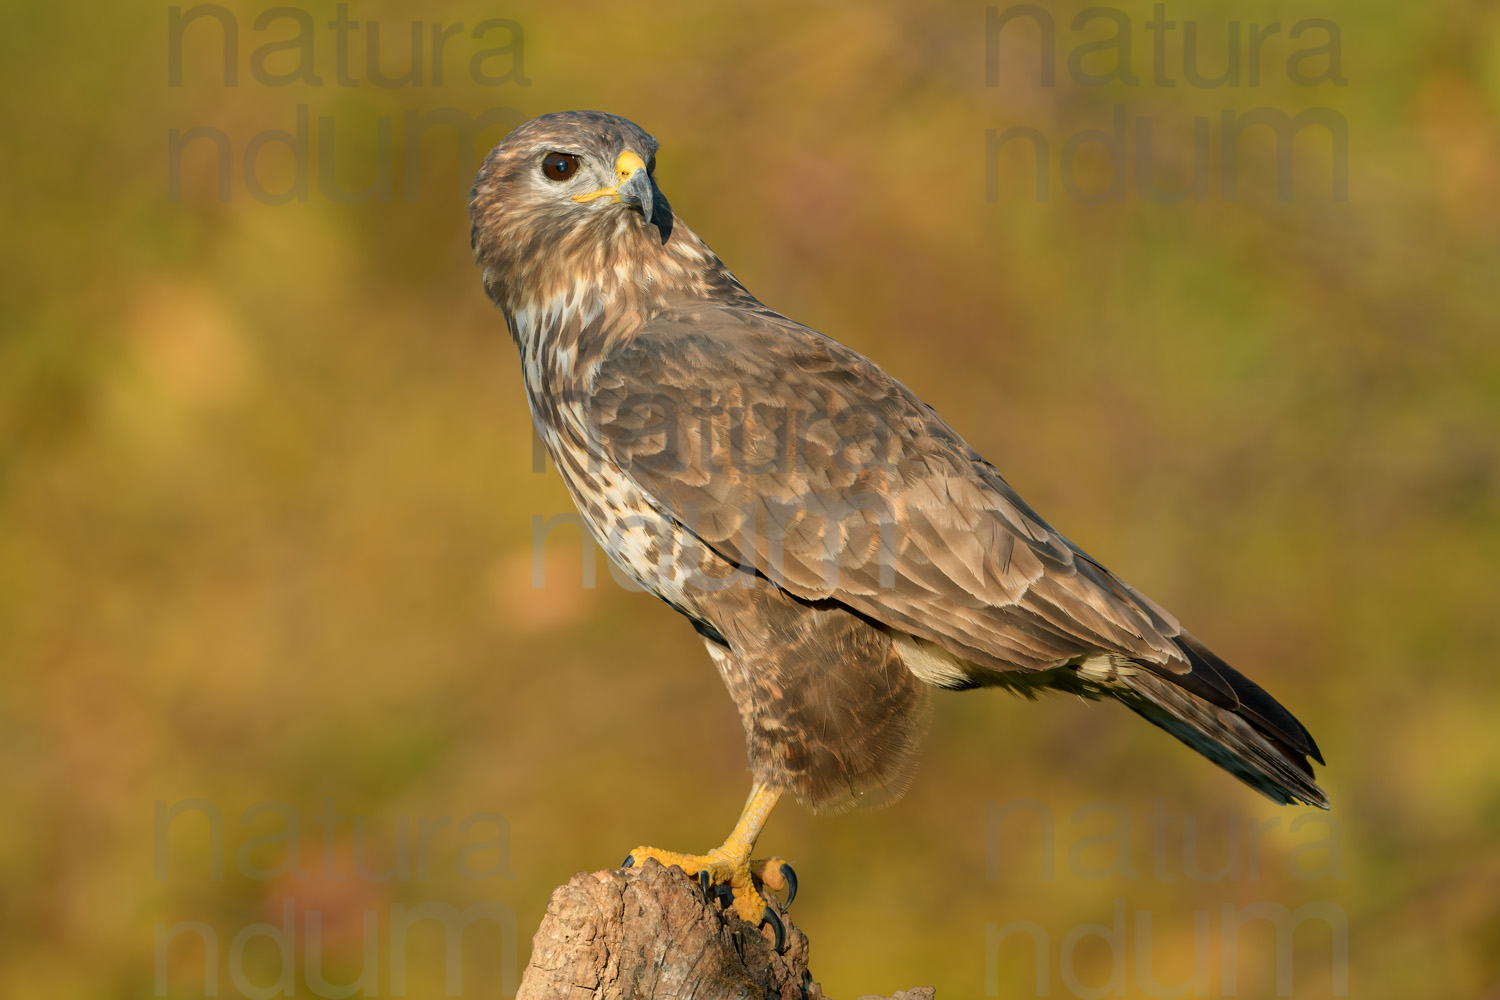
(559, 166)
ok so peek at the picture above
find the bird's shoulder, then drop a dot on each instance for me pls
(712, 346)
(774, 399)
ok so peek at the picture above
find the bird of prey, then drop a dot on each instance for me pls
(838, 546)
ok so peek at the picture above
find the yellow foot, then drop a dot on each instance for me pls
(733, 873)
(729, 868)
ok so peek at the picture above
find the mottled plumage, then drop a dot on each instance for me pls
(837, 544)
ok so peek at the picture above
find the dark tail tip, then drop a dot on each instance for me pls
(1232, 721)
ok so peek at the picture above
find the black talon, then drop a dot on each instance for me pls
(703, 881)
(628, 862)
(725, 895)
(776, 925)
(791, 882)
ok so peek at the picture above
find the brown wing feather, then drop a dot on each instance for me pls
(794, 456)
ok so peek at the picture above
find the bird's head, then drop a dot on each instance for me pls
(569, 199)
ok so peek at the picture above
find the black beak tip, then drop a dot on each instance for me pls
(640, 192)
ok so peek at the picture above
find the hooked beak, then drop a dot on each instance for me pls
(638, 190)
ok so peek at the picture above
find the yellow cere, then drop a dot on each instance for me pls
(626, 165)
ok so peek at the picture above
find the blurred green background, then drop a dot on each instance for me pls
(267, 487)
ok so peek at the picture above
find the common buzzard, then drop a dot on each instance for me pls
(838, 546)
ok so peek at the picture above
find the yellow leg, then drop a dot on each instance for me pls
(729, 864)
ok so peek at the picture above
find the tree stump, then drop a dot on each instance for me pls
(648, 931)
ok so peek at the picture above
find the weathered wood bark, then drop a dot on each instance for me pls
(649, 932)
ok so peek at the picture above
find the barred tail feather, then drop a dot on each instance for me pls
(1248, 734)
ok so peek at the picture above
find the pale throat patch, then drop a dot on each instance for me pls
(535, 323)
